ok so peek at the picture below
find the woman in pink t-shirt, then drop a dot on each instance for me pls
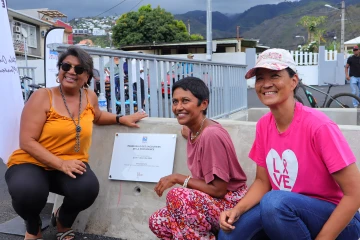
(217, 182)
(307, 184)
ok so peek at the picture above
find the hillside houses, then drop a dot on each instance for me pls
(93, 26)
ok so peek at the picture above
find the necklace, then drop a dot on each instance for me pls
(77, 126)
(198, 132)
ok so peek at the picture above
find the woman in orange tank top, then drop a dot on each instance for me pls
(55, 137)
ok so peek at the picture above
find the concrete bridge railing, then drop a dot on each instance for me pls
(122, 208)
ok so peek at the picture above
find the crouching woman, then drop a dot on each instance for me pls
(217, 181)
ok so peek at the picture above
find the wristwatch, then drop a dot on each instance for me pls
(118, 118)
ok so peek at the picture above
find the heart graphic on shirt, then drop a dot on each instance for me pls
(282, 170)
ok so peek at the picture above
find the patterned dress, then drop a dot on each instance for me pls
(193, 214)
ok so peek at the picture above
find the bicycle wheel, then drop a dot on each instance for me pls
(297, 98)
(343, 100)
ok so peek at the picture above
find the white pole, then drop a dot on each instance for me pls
(342, 26)
(209, 31)
(25, 52)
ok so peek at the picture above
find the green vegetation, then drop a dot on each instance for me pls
(275, 25)
(312, 24)
(148, 25)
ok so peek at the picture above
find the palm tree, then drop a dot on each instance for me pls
(319, 36)
(311, 23)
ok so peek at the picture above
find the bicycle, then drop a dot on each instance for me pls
(29, 89)
(340, 100)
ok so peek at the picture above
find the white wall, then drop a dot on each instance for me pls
(233, 58)
(309, 74)
(39, 71)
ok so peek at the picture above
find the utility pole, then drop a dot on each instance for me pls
(238, 47)
(209, 31)
(342, 38)
(342, 26)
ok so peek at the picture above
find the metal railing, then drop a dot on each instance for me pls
(226, 82)
(27, 71)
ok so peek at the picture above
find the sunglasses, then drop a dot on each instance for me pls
(66, 67)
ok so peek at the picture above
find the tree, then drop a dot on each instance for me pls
(149, 25)
(319, 36)
(311, 23)
(196, 37)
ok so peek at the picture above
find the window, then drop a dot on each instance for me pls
(31, 34)
(32, 40)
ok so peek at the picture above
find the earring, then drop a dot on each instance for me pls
(57, 80)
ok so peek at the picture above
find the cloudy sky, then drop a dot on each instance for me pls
(75, 8)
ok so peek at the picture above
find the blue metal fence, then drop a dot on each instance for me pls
(228, 88)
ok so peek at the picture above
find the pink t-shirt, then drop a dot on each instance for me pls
(213, 153)
(302, 158)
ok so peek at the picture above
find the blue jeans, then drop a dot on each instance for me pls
(286, 215)
(355, 88)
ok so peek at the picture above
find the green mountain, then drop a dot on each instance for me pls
(221, 23)
(275, 25)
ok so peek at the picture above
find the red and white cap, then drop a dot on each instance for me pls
(274, 59)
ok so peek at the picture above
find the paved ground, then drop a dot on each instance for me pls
(7, 213)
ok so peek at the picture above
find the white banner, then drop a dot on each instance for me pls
(54, 35)
(11, 101)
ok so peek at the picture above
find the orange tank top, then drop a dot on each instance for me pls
(58, 137)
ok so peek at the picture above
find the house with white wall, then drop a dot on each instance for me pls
(351, 43)
(29, 30)
(226, 45)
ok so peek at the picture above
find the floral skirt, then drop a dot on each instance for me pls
(191, 214)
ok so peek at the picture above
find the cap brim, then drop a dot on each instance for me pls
(252, 72)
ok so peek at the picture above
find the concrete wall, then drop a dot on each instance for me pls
(39, 71)
(122, 208)
(308, 74)
(346, 116)
(331, 71)
(250, 61)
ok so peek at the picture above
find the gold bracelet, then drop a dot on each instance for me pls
(186, 181)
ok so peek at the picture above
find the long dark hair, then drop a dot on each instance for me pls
(292, 74)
